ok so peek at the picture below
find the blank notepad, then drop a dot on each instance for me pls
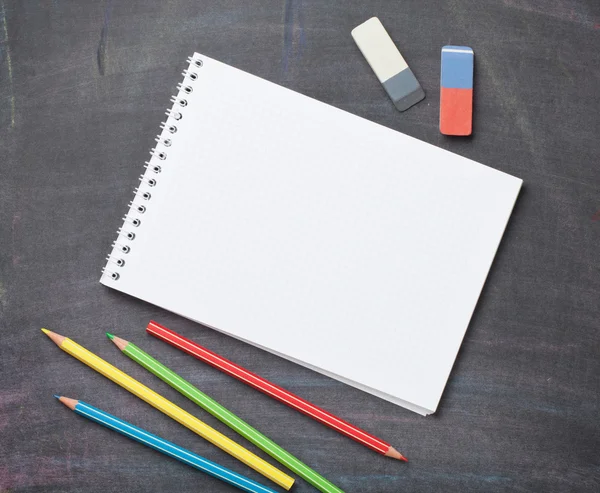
(322, 237)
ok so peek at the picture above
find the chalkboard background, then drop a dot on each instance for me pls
(84, 85)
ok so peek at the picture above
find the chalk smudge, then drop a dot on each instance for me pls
(520, 114)
(2, 304)
(15, 224)
(569, 10)
(8, 62)
(9, 400)
(293, 32)
(101, 56)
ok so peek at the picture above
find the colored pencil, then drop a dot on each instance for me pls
(223, 414)
(160, 444)
(167, 407)
(286, 397)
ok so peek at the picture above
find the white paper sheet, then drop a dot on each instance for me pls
(332, 241)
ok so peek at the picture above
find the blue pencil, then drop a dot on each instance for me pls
(155, 442)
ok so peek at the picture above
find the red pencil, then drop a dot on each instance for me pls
(273, 390)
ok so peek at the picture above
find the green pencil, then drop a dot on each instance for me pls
(224, 415)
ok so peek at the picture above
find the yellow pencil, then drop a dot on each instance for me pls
(170, 409)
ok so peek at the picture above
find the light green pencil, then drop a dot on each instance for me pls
(225, 415)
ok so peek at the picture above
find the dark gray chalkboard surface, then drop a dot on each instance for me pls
(83, 87)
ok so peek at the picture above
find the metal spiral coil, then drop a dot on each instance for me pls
(121, 247)
(148, 180)
(170, 128)
(176, 115)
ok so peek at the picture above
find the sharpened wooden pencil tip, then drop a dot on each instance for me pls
(120, 343)
(394, 454)
(110, 336)
(56, 338)
(70, 403)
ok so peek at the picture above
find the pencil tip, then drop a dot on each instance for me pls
(110, 336)
(70, 403)
(394, 454)
(54, 337)
(120, 343)
(57, 396)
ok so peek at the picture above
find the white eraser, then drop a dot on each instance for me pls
(377, 47)
(388, 64)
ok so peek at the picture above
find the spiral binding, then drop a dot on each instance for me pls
(148, 180)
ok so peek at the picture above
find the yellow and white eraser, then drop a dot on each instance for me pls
(388, 64)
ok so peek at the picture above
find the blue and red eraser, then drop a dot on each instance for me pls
(456, 91)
